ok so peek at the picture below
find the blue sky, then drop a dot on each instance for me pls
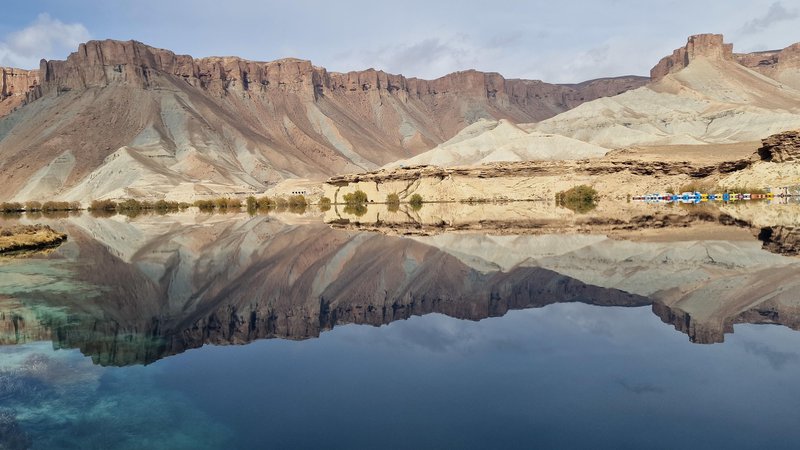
(564, 41)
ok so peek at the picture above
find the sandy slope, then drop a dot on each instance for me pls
(713, 100)
(710, 101)
(123, 119)
(490, 141)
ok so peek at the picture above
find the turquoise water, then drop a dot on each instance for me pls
(195, 337)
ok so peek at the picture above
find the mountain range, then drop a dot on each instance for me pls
(701, 94)
(122, 119)
(125, 119)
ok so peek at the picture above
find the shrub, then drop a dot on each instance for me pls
(97, 205)
(165, 206)
(298, 209)
(204, 205)
(33, 206)
(281, 202)
(697, 186)
(222, 203)
(358, 197)
(580, 199)
(252, 203)
(9, 207)
(416, 202)
(93, 212)
(393, 199)
(324, 204)
(297, 200)
(56, 206)
(60, 206)
(358, 209)
(129, 205)
(265, 203)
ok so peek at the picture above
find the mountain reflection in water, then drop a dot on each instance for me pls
(129, 292)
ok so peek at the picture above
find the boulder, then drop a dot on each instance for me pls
(781, 147)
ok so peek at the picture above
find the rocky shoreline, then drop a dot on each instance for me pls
(25, 238)
(616, 176)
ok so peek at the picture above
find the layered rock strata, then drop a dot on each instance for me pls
(700, 45)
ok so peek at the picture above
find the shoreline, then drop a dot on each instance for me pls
(28, 238)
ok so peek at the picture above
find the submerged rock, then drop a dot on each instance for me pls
(12, 436)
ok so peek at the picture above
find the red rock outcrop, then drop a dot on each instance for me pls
(250, 124)
(781, 65)
(99, 63)
(699, 45)
(14, 87)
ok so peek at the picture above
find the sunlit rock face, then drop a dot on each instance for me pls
(123, 119)
(15, 84)
(700, 45)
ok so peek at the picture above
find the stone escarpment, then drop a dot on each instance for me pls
(781, 65)
(231, 125)
(99, 63)
(700, 45)
(15, 86)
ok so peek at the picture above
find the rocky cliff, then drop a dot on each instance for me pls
(700, 45)
(172, 125)
(698, 95)
(15, 86)
(781, 65)
(100, 63)
(781, 147)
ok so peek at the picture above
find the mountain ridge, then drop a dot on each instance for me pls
(166, 124)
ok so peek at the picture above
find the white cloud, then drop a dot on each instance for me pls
(46, 37)
(776, 13)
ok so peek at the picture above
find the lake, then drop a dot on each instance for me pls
(284, 331)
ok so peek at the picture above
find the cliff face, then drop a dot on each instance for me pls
(14, 87)
(100, 63)
(173, 122)
(781, 65)
(700, 45)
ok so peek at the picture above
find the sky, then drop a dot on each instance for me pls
(556, 41)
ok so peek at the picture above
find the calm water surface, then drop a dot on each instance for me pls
(257, 332)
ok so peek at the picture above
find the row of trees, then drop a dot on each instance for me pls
(33, 206)
(355, 201)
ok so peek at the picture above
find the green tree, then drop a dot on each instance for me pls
(416, 202)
